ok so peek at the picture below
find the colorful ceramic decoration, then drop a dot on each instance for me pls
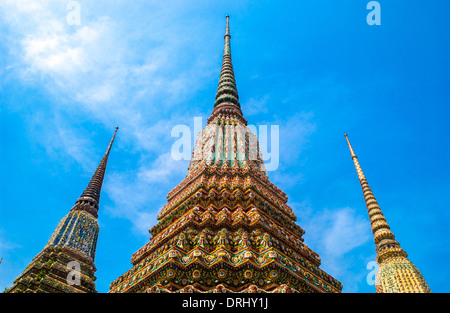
(226, 227)
(66, 264)
(395, 272)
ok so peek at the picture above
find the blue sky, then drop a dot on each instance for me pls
(315, 68)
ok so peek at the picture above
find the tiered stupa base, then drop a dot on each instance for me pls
(48, 273)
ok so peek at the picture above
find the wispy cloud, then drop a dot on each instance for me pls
(108, 71)
(294, 134)
(96, 69)
(255, 106)
(10, 265)
(334, 233)
(139, 196)
(5, 244)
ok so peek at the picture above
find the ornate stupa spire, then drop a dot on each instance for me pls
(395, 273)
(66, 264)
(226, 227)
(227, 98)
(91, 195)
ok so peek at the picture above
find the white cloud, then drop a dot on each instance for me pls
(334, 233)
(294, 132)
(111, 70)
(255, 105)
(10, 265)
(162, 170)
(108, 67)
(135, 194)
(347, 231)
(5, 244)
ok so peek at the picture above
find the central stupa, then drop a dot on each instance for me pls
(226, 227)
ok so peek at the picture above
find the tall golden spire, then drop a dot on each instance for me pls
(383, 236)
(395, 273)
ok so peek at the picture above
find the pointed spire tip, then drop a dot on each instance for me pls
(350, 147)
(94, 188)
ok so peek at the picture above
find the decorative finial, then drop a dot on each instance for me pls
(227, 98)
(227, 28)
(382, 235)
(92, 192)
(395, 273)
(111, 142)
(350, 147)
(227, 91)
